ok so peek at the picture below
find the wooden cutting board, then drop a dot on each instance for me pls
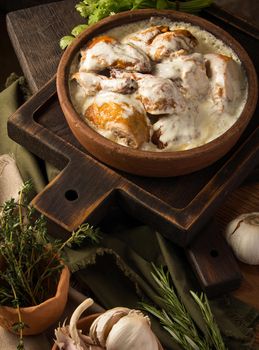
(176, 207)
(207, 189)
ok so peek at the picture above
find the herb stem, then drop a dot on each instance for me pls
(21, 343)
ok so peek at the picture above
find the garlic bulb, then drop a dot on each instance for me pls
(103, 324)
(116, 329)
(132, 332)
(242, 235)
(123, 329)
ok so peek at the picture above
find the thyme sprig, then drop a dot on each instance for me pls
(29, 259)
(95, 10)
(176, 320)
(31, 262)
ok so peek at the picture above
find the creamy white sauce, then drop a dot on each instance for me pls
(128, 102)
(201, 121)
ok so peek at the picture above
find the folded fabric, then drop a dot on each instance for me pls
(10, 179)
(119, 270)
(9, 341)
(10, 100)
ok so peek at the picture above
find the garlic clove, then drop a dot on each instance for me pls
(242, 234)
(103, 324)
(132, 332)
(74, 318)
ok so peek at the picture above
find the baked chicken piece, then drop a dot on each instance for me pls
(158, 95)
(189, 73)
(92, 83)
(121, 118)
(159, 42)
(106, 52)
(175, 132)
(144, 38)
(174, 43)
(225, 77)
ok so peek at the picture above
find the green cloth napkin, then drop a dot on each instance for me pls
(119, 270)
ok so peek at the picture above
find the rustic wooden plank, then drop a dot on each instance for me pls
(35, 34)
(40, 126)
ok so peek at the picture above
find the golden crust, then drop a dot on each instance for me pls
(110, 116)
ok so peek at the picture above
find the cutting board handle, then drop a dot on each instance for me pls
(213, 261)
(74, 197)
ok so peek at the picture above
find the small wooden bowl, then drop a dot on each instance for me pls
(85, 323)
(159, 164)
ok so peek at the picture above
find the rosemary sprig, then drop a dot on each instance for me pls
(176, 320)
(95, 10)
(212, 327)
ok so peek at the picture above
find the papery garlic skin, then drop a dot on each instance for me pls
(63, 339)
(242, 234)
(103, 324)
(132, 332)
(69, 337)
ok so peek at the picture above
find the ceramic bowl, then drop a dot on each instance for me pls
(145, 163)
(39, 317)
(85, 323)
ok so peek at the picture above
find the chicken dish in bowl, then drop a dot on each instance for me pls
(164, 86)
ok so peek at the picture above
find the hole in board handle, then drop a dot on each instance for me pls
(214, 253)
(71, 195)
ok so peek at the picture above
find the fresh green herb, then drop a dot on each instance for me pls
(176, 320)
(66, 41)
(31, 263)
(212, 327)
(95, 10)
(78, 29)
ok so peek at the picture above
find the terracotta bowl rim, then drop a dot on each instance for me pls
(62, 288)
(135, 16)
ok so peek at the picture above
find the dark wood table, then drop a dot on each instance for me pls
(35, 34)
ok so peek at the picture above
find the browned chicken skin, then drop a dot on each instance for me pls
(92, 83)
(144, 38)
(225, 80)
(158, 95)
(178, 41)
(123, 118)
(160, 43)
(189, 72)
(105, 52)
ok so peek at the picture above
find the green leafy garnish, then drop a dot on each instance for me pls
(66, 41)
(79, 29)
(95, 10)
